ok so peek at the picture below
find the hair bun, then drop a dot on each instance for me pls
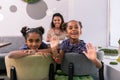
(41, 29)
(24, 29)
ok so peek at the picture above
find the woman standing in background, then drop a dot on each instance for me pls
(56, 27)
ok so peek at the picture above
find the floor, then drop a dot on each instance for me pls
(3, 77)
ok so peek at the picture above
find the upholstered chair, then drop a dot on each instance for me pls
(33, 67)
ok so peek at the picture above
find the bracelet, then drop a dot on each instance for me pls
(26, 52)
(29, 52)
(56, 59)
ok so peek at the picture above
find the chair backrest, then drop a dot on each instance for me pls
(33, 67)
(82, 65)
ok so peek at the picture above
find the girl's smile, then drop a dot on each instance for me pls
(73, 30)
(33, 41)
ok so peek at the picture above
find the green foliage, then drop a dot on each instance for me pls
(113, 63)
(59, 72)
(119, 41)
(109, 51)
(31, 1)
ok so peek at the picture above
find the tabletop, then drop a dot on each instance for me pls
(3, 44)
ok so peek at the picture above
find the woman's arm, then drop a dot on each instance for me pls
(48, 36)
(62, 36)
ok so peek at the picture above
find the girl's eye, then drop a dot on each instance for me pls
(70, 28)
(76, 27)
(30, 40)
(54, 20)
(37, 40)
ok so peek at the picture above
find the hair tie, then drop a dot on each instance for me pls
(28, 30)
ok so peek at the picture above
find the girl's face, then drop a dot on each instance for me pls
(33, 41)
(73, 30)
(57, 21)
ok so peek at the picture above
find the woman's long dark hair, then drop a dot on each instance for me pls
(59, 15)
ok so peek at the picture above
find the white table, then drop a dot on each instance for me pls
(111, 72)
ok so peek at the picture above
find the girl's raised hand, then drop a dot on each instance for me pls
(54, 42)
(90, 52)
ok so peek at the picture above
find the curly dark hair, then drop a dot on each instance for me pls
(25, 31)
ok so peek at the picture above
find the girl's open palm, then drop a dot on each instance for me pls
(54, 42)
(91, 52)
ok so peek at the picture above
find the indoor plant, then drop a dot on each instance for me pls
(31, 1)
(109, 52)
